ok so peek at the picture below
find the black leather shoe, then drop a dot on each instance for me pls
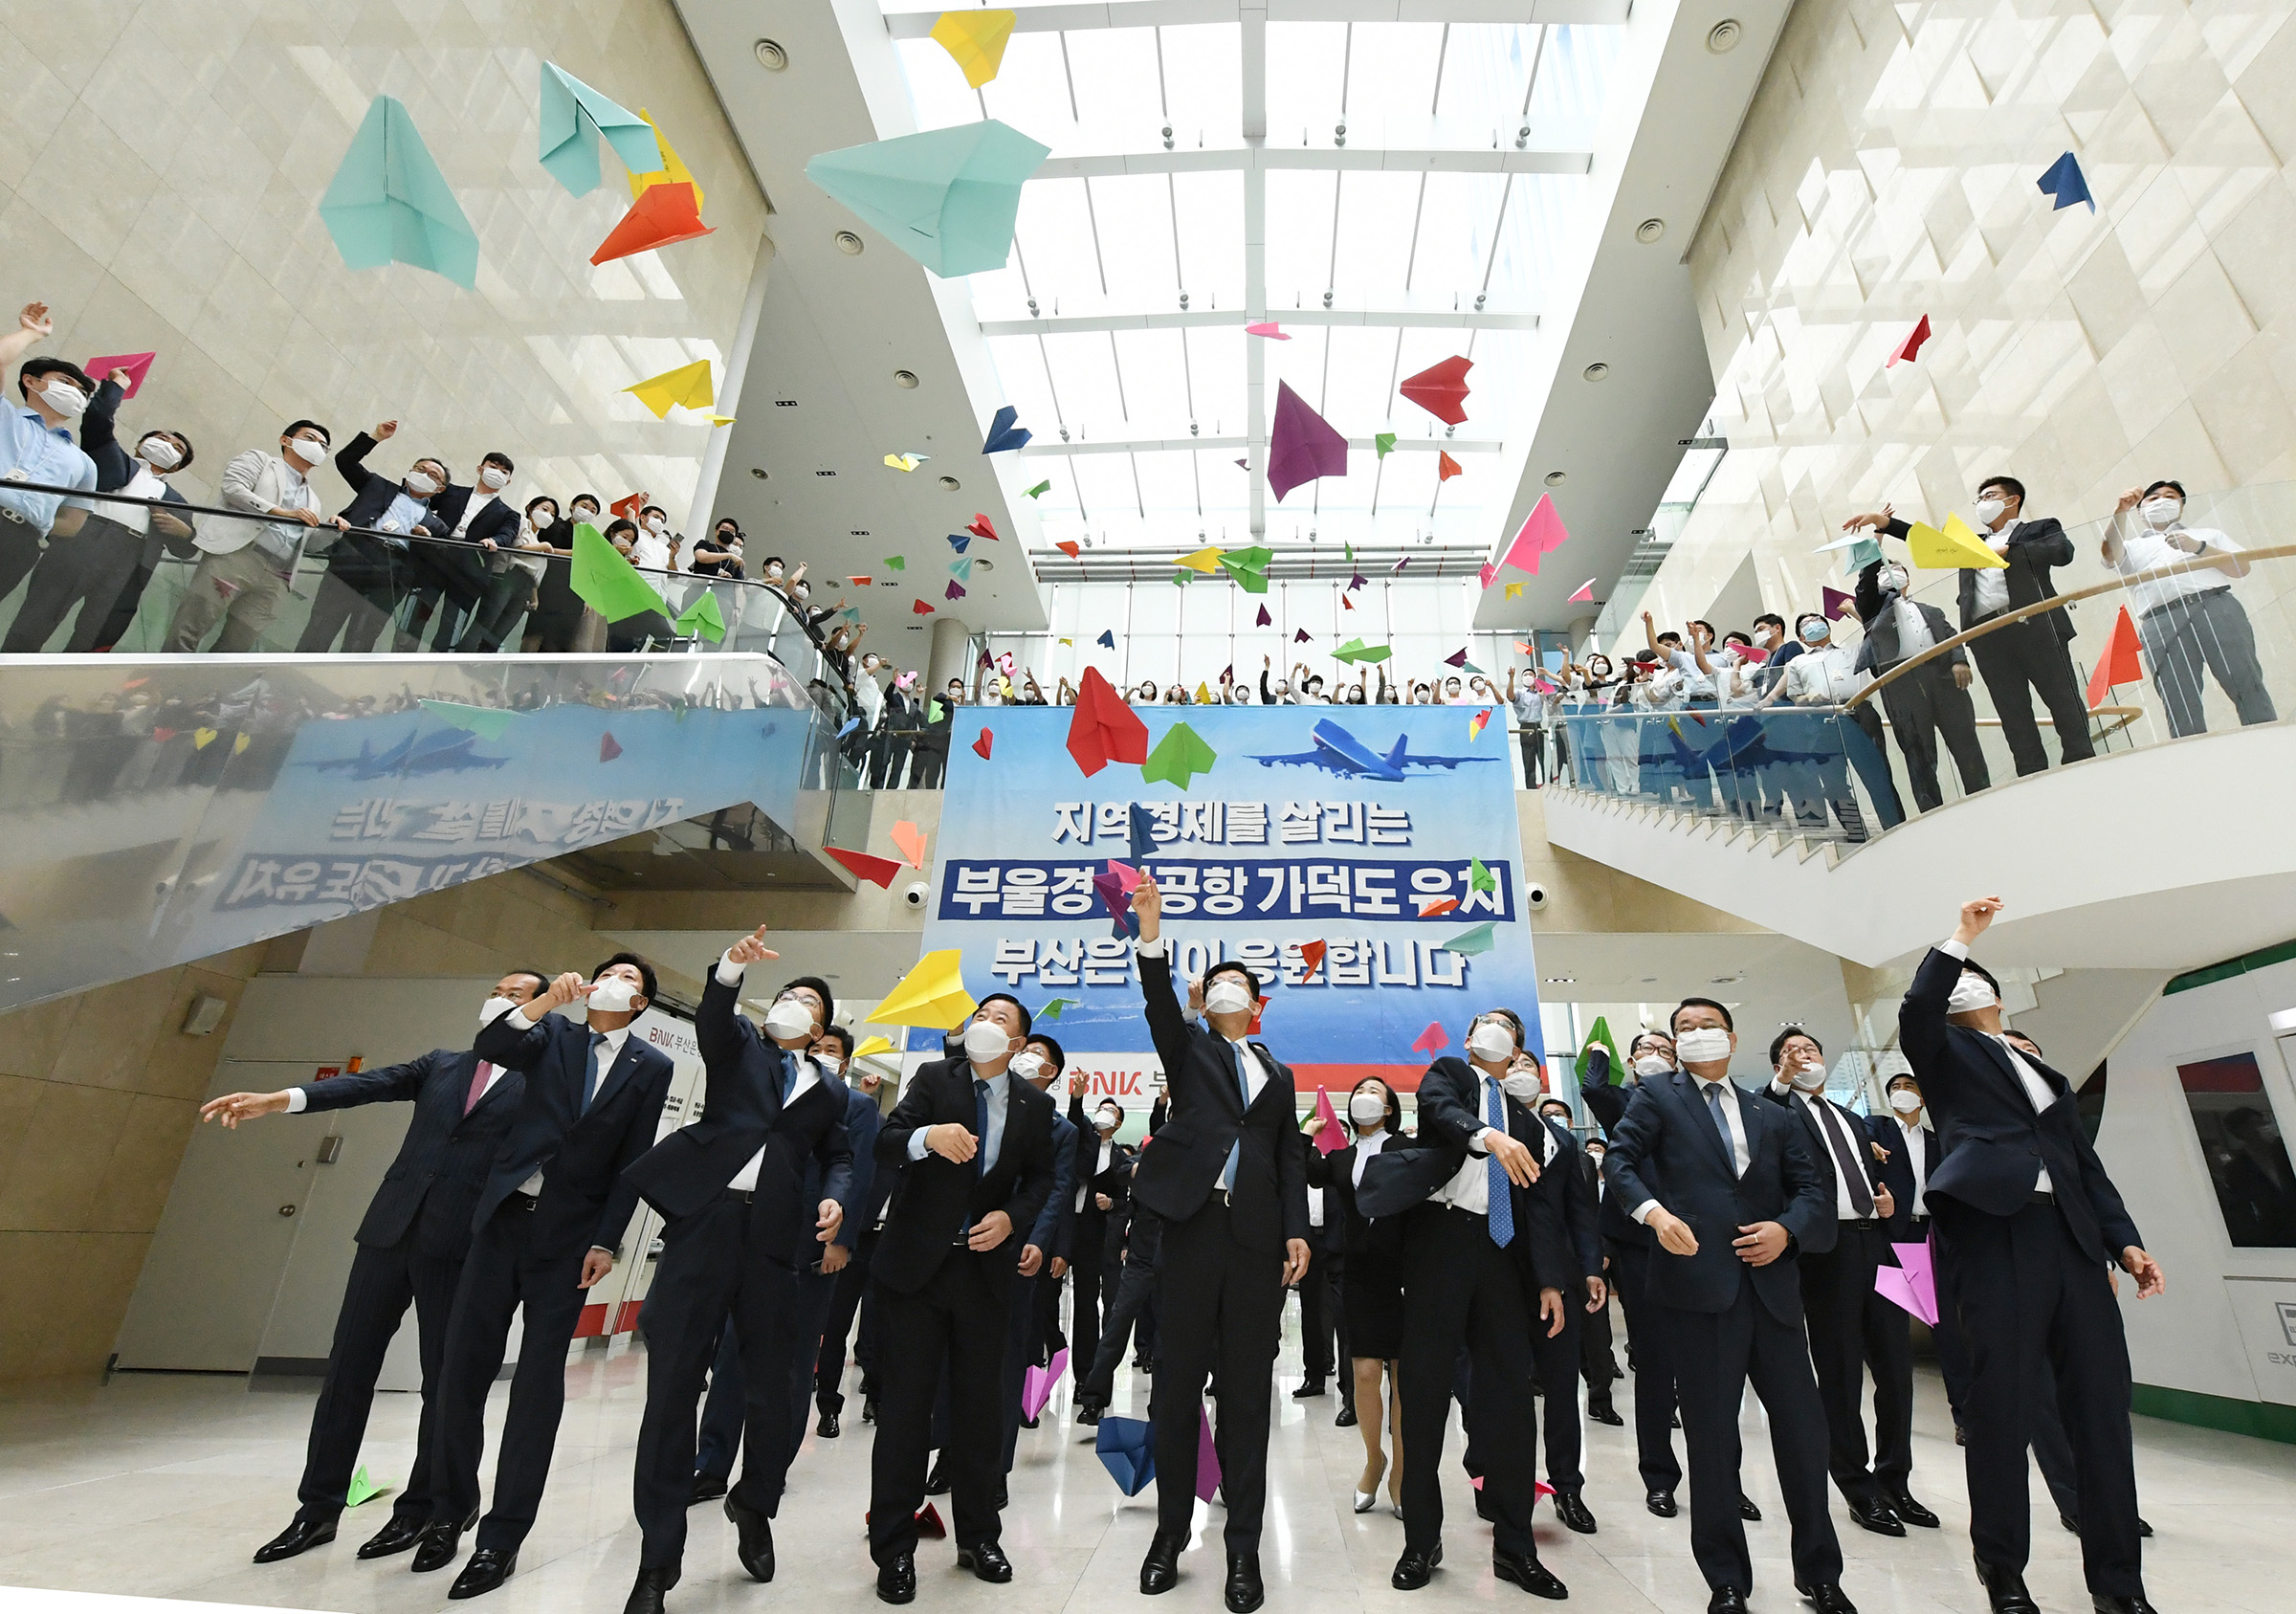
(396, 1536)
(707, 1488)
(301, 1536)
(753, 1542)
(1660, 1503)
(1748, 1512)
(1526, 1571)
(937, 1483)
(828, 1428)
(1903, 1505)
(2142, 1528)
(651, 1587)
(1727, 1599)
(1088, 1412)
(1415, 1568)
(1159, 1570)
(896, 1582)
(1307, 1390)
(1029, 1423)
(868, 1410)
(1874, 1515)
(2005, 1590)
(1826, 1598)
(2121, 1604)
(988, 1562)
(1571, 1508)
(487, 1569)
(1606, 1413)
(441, 1541)
(1347, 1415)
(2072, 1525)
(1245, 1593)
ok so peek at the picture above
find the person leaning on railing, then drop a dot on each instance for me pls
(369, 566)
(245, 565)
(1828, 675)
(2188, 621)
(36, 446)
(1927, 700)
(558, 610)
(450, 581)
(514, 568)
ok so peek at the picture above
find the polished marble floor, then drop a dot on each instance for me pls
(163, 1484)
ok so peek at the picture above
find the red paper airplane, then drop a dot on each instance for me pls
(1310, 957)
(917, 607)
(981, 744)
(608, 748)
(1067, 549)
(1909, 350)
(878, 871)
(1433, 1040)
(859, 582)
(1441, 389)
(664, 216)
(980, 526)
(1446, 468)
(629, 505)
(2119, 664)
(1104, 729)
(1441, 906)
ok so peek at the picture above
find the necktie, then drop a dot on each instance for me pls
(1235, 1150)
(1846, 1159)
(1499, 1208)
(1713, 1104)
(980, 1127)
(479, 1078)
(788, 1074)
(589, 1071)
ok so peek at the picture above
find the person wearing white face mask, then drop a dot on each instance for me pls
(1032, 1316)
(979, 1147)
(1558, 1356)
(451, 580)
(1741, 1199)
(370, 569)
(747, 1193)
(36, 446)
(1370, 1280)
(1827, 675)
(245, 565)
(411, 1247)
(2028, 1223)
(1909, 1152)
(1924, 701)
(1228, 1176)
(2188, 621)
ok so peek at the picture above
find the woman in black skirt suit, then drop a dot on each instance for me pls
(1371, 1291)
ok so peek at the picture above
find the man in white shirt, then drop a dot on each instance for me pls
(1818, 755)
(2188, 622)
(245, 565)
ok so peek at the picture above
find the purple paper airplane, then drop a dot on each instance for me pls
(1302, 445)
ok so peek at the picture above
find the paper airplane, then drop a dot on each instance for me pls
(1440, 389)
(1248, 567)
(897, 563)
(702, 619)
(872, 1046)
(1051, 1010)
(1480, 939)
(983, 742)
(960, 542)
(946, 197)
(688, 384)
(1038, 492)
(1476, 724)
(388, 203)
(1104, 729)
(1957, 548)
(1006, 431)
(1479, 877)
(878, 871)
(1126, 1448)
(906, 461)
(673, 171)
(962, 566)
(919, 607)
(1111, 889)
(1382, 444)
(1107, 639)
(932, 995)
(1583, 594)
(1178, 757)
(1205, 560)
(1263, 620)
(911, 841)
(1833, 603)
(138, 365)
(2066, 182)
(1440, 906)
(1353, 651)
(1207, 1458)
(1267, 329)
(1541, 533)
(1912, 1284)
(1488, 572)
(980, 527)
(1300, 635)
(1037, 1382)
(362, 1488)
(1141, 832)
(1433, 1040)
(1909, 350)
(609, 748)
(1066, 548)
(487, 722)
(956, 590)
(1310, 957)
(665, 215)
(1301, 445)
(2119, 664)
(1329, 1134)
(1861, 546)
(573, 116)
(603, 580)
(629, 505)
(976, 40)
(1446, 468)
(1203, 692)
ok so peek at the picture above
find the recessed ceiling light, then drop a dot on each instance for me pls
(1595, 371)
(984, 566)
(951, 483)
(848, 243)
(1723, 37)
(1562, 981)
(770, 56)
(905, 379)
(1650, 230)
(758, 472)
(1556, 478)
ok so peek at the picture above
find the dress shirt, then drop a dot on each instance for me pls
(2036, 1090)
(1913, 635)
(141, 483)
(2145, 547)
(1732, 1099)
(1831, 1124)
(650, 551)
(405, 514)
(471, 507)
(1314, 1207)
(298, 1099)
(1108, 1154)
(608, 1051)
(1694, 683)
(1824, 678)
(1993, 582)
(32, 450)
(1914, 1138)
(1469, 1186)
(1000, 1096)
(258, 483)
(1365, 1148)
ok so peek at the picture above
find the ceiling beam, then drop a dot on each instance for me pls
(1041, 447)
(1172, 13)
(1198, 318)
(1570, 159)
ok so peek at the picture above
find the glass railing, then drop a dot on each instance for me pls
(2165, 644)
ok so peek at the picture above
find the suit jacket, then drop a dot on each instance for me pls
(1667, 1149)
(367, 564)
(1607, 1104)
(432, 1187)
(583, 1155)
(1359, 1235)
(1822, 1240)
(2034, 549)
(937, 1196)
(1208, 1118)
(1398, 1178)
(862, 1119)
(1880, 651)
(1055, 1225)
(1896, 1173)
(742, 1113)
(1094, 1233)
(1574, 1190)
(458, 570)
(1994, 1143)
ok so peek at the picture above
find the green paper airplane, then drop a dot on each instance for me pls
(1479, 940)
(933, 709)
(1599, 1035)
(487, 722)
(1354, 650)
(388, 203)
(1042, 488)
(1478, 877)
(1051, 1010)
(1248, 567)
(897, 563)
(363, 1488)
(1384, 443)
(961, 567)
(607, 582)
(1178, 757)
(946, 197)
(703, 617)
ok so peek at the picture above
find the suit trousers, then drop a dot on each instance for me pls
(957, 1320)
(1923, 705)
(1460, 1288)
(1092, 1289)
(1889, 1358)
(2023, 660)
(383, 1279)
(1716, 1355)
(88, 570)
(1135, 1295)
(1222, 1317)
(829, 1369)
(2024, 1293)
(714, 1272)
(1596, 1363)
(809, 1312)
(358, 613)
(722, 1409)
(1651, 1357)
(502, 1273)
(1315, 1311)
(1835, 1289)
(1020, 1323)
(1557, 1360)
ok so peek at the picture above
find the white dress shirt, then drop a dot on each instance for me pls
(1913, 635)
(1832, 1126)
(1824, 678)
(2144, 547)
(1469, 1186)
(2037, 1088)
(1993, 582)
(1365, 1148)
(1000, 1098)
(809, 1075)
(1314, 1207)
(1732, 1099)
(1915, 1140)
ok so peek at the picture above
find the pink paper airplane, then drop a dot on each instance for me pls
(1585, 592)
(1128, 878)
(1486, 574)
(1269, 329)
(1433, 1040)
(1912, 1283)
(138, 365)
(1542, 533)
(1207, 1459)
(1330, 1135)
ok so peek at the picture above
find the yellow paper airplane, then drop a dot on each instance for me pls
(906, 461)
(721, 420)
(872, 1045)
(688, 384)
(1514, 590)
(932, 995)
(1204, 695)
(1205, 560)
(1957, 548)
(1068, 641)
(976, 40)
(671, 173)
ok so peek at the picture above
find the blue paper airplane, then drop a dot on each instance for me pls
(1126, 1448)
(958, 541)
(1341, 753)
(1006, 431)
(946, 197)
(1143, 835)
(1107, 639)
(388, 203)
(2066, 182)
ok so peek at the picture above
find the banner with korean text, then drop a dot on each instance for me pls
(1386, 833)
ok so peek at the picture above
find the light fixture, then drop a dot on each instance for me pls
(849, 243)
(1556, 478)
(1595, 371)
(1650, 230)
(1723, 37)
(758, 472)
(1562, 981)
(205, 1013)
(906, 380)
(770, 56)
(985, 564)
(951, 483)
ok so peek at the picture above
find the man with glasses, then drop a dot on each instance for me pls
(244, 567)
(368, 576)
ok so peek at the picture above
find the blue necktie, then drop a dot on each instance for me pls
(1713, 1103)
(589, 1071)
(1500, 1211)
(980, 1127)
(1235, 1150)
(788, 1074)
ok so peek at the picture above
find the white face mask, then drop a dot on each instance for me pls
(1491, 1040)
(420, 485)
(985, 1040)
(1699, 1047)
(1367, 1109)
(65, 398)
(1893, 579)
(494, 1009)
(1523, 1087)
(830, 1063)
(789, 1019)
(2162, 512)
(159, 454)
(544, 517)
(494, 479)
(1028, 1065)
(655, 524)
(309, 450)
(1104, 1120)
(1227, 995)
(1904, 1103)
(1595, 1155)
(1652, 1065)
(1281, 686)
(774, 569)
(582, 516)
(614, 994)
(1969, 992)
(1989, 511)
(1807, 1078)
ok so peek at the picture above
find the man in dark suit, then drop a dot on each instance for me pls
(1725, 1183)
(855, 1285)
(411, 1247)
(1101, 1173)
(1905, 1145)
(1559, 1355)
(2026, 1223)
(737, 1211)
(2028, 657)
(1597, 1363)
(1044, 1255)
(554, 1207)
(1229, 1178)
(974, 1148)
(1925, 702)
(1849, 1322)
(451, 579)
(1486, 1259)
(370, 569)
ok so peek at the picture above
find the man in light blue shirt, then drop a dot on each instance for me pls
(36, 446)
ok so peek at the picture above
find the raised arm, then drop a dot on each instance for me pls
(1167, 1024)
